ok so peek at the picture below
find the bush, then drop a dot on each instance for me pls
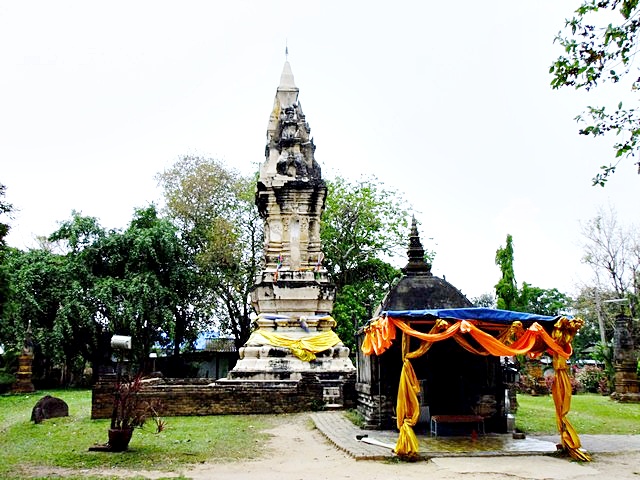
(592, 379)
(8, 366)
(532, 378)
(6, 380)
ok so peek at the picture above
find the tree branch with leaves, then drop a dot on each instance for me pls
(597, 50)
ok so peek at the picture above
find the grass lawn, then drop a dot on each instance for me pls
(590, 413)
(64, 442)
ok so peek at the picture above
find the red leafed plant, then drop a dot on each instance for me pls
(130, 410)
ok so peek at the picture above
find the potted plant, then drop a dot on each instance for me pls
(130, 411)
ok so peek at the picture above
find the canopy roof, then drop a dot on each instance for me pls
(483, 314)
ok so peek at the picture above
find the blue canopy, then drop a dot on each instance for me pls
(479, 313)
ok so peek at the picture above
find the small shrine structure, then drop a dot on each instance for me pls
(428, 356)
(24, 375)
(376, 383)
(293, 294)
(625, 362)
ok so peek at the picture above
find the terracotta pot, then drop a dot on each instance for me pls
(119, 439)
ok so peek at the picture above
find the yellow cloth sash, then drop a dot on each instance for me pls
(304, 348)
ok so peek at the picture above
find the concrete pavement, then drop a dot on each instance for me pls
(346, 436)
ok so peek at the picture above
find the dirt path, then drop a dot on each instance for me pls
(299, 452)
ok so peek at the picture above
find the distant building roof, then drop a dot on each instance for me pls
(222, 345)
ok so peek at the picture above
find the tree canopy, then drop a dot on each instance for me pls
(5, 210)
(166, 278)
(528, 299)
(506, 288)
(213, 207)
(135, 282)
(600, 42)
(363, 227)
(362, 221)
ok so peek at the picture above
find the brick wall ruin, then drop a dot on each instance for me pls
(201, 397)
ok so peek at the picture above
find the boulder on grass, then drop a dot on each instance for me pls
(49, 407)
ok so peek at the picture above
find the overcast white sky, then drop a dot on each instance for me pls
(448, 102)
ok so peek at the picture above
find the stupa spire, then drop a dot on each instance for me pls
(290, 149)
(417, 264)
(287, 93)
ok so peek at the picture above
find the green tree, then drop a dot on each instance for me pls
(529, 298)
(356, 302)
(5, 210)
(362, 221)
(364, 225)
(82, 316)
(599, 50)
(135, 282)
(39, 284)
(543, 301)
(213, 207)
(150, 273)
(506, 288)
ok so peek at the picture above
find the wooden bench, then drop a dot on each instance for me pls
(457, 419)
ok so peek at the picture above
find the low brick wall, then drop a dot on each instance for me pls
(226, 397)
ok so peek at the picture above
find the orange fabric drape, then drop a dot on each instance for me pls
(407, 404)
(533, 341)
(407, 411)
(561, 391)
(563, 334)
(380, 334)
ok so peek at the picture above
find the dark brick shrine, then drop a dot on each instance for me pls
(454, 381)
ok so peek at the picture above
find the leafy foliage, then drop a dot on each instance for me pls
(362, 221)
(542, 301)
(529, 298)
(132, 280)
(596, 50)
(506, 288)
(5, 210)
(355, 302)
(40, 283)
(363, 224)
(213, 208)
(128, 283)
(592, 379)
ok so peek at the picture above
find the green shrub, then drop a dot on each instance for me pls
(6, 380)
(591, 378)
